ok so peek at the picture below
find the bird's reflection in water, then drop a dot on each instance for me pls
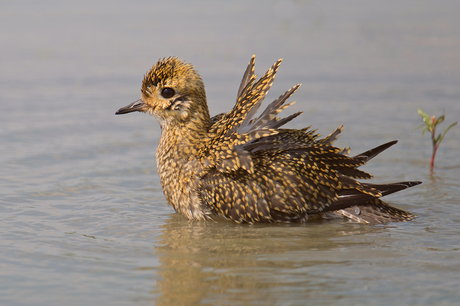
(204, 262)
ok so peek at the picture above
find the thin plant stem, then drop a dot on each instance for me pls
(430, 123)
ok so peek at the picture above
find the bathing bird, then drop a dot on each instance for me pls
(250, 168)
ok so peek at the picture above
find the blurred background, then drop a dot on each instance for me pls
(84, 219)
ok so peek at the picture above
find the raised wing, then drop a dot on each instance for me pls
(255, 171)
(231, 130)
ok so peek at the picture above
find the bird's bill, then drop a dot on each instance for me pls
(136, 106)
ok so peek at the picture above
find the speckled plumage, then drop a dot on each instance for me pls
(248, 169)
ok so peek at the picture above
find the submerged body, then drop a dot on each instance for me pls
(248, 169)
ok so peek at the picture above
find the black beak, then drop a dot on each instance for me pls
(138, 106)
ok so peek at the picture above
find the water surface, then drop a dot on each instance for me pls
(83, 216)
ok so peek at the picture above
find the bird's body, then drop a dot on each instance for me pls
(247, 169)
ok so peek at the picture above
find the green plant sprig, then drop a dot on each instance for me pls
(430, 124)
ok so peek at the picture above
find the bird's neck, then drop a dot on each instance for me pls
(183, 139)
(178, 164)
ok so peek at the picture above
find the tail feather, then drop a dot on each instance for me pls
(353, 197)
(375, 211)
(387, 189)
(368, 155)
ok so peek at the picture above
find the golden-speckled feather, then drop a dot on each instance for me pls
(249, 169)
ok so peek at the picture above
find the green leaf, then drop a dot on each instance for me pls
(437, 139)
(443, 134)
(439, 120)
(421, 125)
(424, 129)
(424, 115)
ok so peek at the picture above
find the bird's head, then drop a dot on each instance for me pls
(173, 92)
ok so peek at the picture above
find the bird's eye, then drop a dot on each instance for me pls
(167, 92)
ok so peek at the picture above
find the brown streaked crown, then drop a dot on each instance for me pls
(168, 72)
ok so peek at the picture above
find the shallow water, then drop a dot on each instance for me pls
(83, 216)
